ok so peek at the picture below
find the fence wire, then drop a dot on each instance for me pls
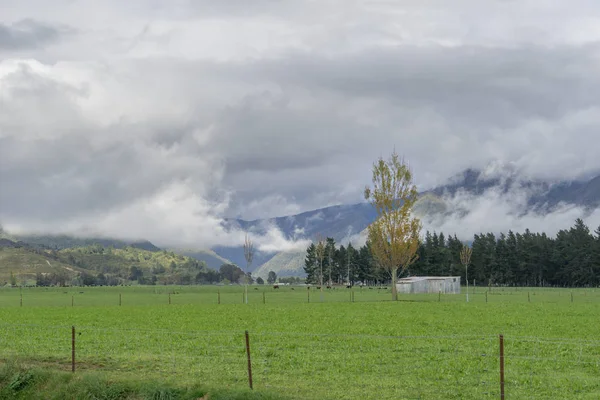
(320, 366)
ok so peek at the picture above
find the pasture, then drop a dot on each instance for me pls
(343, 343)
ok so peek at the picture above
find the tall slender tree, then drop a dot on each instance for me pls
(248, 255)
(394, 235)
(465, 259)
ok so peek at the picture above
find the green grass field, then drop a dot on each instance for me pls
(421, 347)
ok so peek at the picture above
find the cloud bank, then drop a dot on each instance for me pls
(179, 114)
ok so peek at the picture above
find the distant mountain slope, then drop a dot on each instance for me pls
(209, 257)
(544, 195)
(586, 194)
(342, 222)
(336, 221)
(283, 264)
(59, 242)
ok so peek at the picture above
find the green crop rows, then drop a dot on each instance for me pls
(421, 347)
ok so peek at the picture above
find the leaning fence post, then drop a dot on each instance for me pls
(119, 299)
(264, 298)
(218, 297)
(249, 362)
(501, 367)
(72, 349)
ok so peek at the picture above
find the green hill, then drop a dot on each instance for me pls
(94, 264)
(25, 263)
(59, 242)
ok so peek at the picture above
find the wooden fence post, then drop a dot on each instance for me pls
(249, 361)
(501, 367)
(72, 349)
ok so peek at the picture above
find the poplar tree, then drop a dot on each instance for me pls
(394, 235)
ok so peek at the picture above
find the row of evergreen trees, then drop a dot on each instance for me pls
(572, 258)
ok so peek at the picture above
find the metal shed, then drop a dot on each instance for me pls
(429, 284)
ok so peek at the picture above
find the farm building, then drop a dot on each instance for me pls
(429, 284)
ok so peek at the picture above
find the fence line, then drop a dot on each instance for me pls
(321, 365)
(148, 295)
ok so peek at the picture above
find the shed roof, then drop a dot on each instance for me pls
(412, 279)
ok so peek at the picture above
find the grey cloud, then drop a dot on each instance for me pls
(241, 8)
(529, 107)
(489, 85)
(50, 171)
(110, 132)
(27, 34)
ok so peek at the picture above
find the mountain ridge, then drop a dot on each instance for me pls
(543, 198)
(347, 222)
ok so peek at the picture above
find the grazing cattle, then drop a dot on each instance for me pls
(348, 286)
(292, 288)
(275, 286)
(328, 287)
(255, 288)
(318, 287)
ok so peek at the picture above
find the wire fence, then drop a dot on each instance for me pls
(321, 366)
(182, 295)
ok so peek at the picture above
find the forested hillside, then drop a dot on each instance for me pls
(572, 258)
(23, 264)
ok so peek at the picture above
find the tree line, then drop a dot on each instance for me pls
(570, 259)
(227, 273)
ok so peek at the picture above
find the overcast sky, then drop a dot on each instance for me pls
(157, 118)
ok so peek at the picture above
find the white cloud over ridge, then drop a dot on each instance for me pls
(497, 211)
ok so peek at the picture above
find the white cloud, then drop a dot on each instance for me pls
(177, 114)
(498, 212)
